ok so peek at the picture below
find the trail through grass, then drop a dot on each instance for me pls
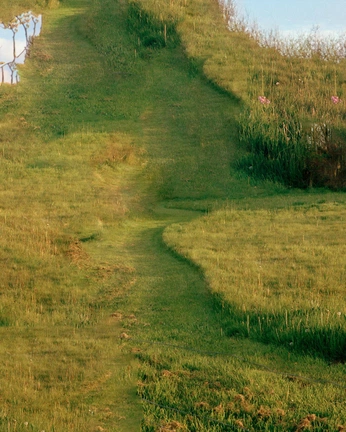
(105, 144)
(199, 377)
(62, 181)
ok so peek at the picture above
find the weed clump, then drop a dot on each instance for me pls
(151, 31)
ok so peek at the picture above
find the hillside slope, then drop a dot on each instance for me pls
(105, 143)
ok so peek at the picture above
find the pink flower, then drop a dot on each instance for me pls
(335, 99)
(264, 100)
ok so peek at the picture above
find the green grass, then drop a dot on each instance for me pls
(279, 274)
(299, 138)
(281, 138)
(63, 181)
(9, 8)
(194, 372)
(104, 143)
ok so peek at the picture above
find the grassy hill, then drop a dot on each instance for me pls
(121, 132)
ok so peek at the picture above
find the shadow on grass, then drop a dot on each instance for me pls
(289, 329)
(298, 331)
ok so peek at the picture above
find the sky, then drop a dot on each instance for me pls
(6, 46)
(296, 16)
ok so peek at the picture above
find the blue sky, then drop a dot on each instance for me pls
(296, 15)
(6, 46)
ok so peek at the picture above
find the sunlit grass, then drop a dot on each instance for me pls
(236, 397)
(10, 9)
(304, 85)
(62, 187)
(281, 274)
(63, 379)
(91, 141)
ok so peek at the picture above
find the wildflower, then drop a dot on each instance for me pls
(264, 100)
(335, 100)
(338, 314)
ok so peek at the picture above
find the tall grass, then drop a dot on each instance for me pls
(278, 145)
(303, 81)
(301, 121)
(152, 32)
